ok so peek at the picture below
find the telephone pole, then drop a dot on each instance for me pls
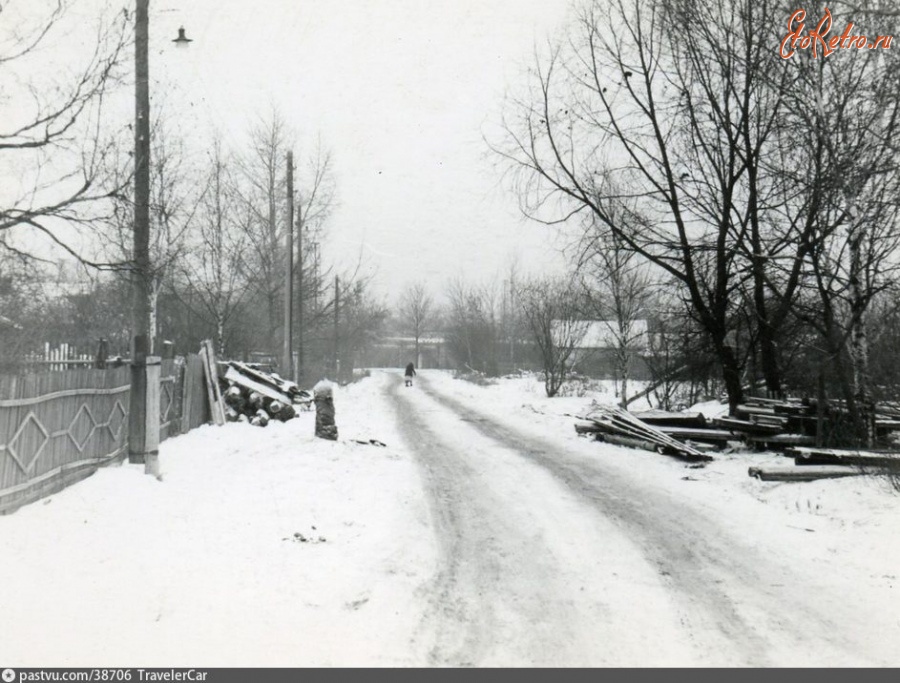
(287, 357)
(143, 414)
(337, 308)
(298, 371)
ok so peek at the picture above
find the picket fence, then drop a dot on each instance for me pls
(63, 357)
(58, 427)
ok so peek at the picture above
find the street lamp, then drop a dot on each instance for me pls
(182, 40)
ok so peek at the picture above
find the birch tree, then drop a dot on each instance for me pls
(215, 271)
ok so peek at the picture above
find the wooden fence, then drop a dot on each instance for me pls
(63, 357)
(59, 427)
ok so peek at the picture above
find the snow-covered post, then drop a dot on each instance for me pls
(323, 395)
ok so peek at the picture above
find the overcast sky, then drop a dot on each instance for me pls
(401, 92)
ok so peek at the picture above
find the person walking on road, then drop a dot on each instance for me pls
(409, 374)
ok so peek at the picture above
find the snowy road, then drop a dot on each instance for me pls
(484, 533)
(548, 557)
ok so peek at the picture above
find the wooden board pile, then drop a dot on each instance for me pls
(790, 426)
(762, 423)
(252, 395)
(615, 425)
(795, 422)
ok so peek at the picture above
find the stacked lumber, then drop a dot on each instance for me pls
(615, 425)
(793, 422)
(790, 425)
(252, 395)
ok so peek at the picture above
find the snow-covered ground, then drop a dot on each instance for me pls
(205, 567)
(209, 566)
(861, 515)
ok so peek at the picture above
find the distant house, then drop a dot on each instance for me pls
(604, 334)
(396, 352)
(596, 343)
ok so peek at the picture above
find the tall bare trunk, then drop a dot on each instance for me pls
(859, 342)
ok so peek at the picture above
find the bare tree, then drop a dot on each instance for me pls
(664, 108)
(617, 289)
(175, 196)
(472, 325)
(262, 184)
(53, 156)
(362, 317)
(264, 173)
(551, 309)
(848, 107)
(214, 271)
(416, 308)
(315, 191)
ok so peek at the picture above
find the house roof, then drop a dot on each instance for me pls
(604, 334)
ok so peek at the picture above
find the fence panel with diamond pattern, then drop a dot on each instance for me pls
(59, 427)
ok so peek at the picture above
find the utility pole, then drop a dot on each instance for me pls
(337, 307)
(287, 357)
(298, 371)
(143, 412)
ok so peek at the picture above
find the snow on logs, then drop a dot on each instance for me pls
(254, 396)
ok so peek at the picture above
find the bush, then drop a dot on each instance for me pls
(475, 377)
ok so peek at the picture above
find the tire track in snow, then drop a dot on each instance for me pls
(501, 594)
(700, 564)
(455, 628)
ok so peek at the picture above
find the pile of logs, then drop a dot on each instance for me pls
(254, 396)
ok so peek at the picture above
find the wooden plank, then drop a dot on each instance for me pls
(665, 418)
(212, 381)
(754, 410)
(769, 420)
(808, 473)
(735, 425)
(630, 442)
(282, 385)
(823, 456)
(716, 435)
(187, 397)
(201, 412)
(782, 439)
(617, 420)
(233, 375)
(586, 428)
(218, 405)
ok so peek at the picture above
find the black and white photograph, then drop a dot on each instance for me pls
(470, 334)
